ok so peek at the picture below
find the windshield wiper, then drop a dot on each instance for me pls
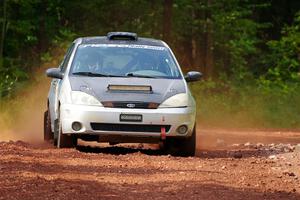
(95, 74)
(139, 75)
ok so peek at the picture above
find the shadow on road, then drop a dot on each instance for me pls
(119, 150)
(202, 153)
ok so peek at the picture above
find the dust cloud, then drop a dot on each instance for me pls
(21, 118)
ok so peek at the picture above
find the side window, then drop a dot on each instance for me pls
(65, 62)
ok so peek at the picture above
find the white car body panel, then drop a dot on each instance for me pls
(59, 98)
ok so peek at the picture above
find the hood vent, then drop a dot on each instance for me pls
(130, 88)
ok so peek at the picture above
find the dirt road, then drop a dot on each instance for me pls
(222, 170)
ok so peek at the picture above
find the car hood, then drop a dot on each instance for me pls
(98, 87)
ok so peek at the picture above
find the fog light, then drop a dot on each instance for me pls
(182, 129)
(76, 126)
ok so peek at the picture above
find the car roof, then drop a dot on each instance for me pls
(105, 40)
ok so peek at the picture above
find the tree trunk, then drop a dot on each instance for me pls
(167, 20)
(199, 39)
(42, 34)
(3, 31)
(208, 37)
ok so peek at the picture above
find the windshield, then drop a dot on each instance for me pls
(119, 60)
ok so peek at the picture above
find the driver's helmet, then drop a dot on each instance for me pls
(92, 62)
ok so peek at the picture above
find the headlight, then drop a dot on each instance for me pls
(178, 100)
(82, 98)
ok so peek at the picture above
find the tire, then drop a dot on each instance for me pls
(48, 134)
(62, 140)
(188, 146)
(181, 146)
(55, 134)
(66, 141)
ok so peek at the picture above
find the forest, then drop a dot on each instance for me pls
(247, 50)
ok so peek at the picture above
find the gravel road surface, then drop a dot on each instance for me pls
(222, 169)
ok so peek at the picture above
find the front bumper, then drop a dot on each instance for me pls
(174, 117)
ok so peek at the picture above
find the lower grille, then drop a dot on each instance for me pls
(129, 127)
(135, 105)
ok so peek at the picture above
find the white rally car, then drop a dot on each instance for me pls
(121, 88)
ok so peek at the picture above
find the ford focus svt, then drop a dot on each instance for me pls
(121, 88)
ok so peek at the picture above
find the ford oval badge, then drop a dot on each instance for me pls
(130, 105)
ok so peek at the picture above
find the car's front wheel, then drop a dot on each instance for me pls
(62, 140)
(181, 146)
(48, 134)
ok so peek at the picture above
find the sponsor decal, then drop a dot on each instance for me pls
(134, 46)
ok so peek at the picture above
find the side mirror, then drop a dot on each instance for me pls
(193, 76)
(54, 73)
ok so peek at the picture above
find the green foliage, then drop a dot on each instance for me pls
(236, 38)
(30, 25)
(283, 60)
(10, 78)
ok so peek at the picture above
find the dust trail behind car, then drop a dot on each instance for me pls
(21, 118)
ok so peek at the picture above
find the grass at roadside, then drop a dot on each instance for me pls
(246, 105)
